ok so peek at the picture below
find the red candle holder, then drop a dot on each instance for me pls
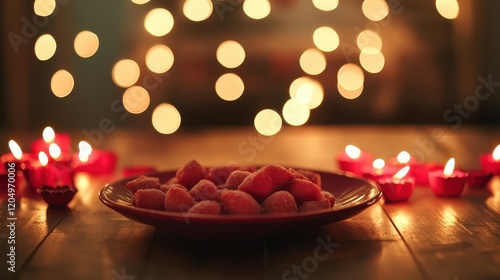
(397, 188)
(20, 163)
(58, 196)
(478, 178)
(420, 171)
(35, 175)
(448, 182)
(354, 164)
(490, 164)
(98, 163)
(377, 173)
(58, 174)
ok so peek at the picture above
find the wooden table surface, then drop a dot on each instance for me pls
(427, 237)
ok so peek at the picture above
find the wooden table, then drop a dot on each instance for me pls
(426, 238)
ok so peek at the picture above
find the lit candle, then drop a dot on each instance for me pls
(49, 136)
(491, 162)
(15, 156)
(378, 171)
(402, 159)
(353, 160)
(398, 187)
(95, 162)
(448, 181)
(35, 171)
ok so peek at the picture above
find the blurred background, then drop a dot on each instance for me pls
(171, 65)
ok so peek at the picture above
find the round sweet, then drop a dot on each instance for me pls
(178, 200)
(206, 207)
(149, 199)
(279, 202)
(239, 202)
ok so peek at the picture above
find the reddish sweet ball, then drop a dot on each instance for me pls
(305, 190)
(149, 199)
(178, 200)
(144, 182)
(190, 174)
(280, 202)
(239, 202)
(265, 181)
(314, 205)
(235, 179)
(204, 190)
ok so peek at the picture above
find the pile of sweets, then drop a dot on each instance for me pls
(232, 190)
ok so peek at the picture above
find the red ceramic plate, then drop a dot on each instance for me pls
(353, 195)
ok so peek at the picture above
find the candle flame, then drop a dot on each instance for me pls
(403, 157)
(85, 151)
(54, 151)
(496, 153)
(48, 134)
(401, 173)
(450, 166)
(43, 159)
(353, 151)
(378, 164)
(15, 149)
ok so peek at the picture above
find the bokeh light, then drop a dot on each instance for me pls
(375, 10)
(257, 9)
(349, 94)
(86, 44)
(136, 99)
(326, 39)
(230, 54)
(268, 122)
(313, 61)
(372, 60)
(229, 87)
(197, 10)
(350, 76)
(307, 91)
(295, 113)
(159, 22)
(166, 118)
(140, 2)
(325, 5)
(44, 8)
(45, 47)
(448, 9)
(125, 73)
(159, 59)
(62, 83)
(368, 38)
